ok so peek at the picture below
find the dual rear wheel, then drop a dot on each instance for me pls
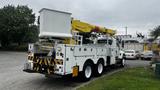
(89, 70)
(99, 68)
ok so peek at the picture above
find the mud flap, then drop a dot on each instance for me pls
(75, 71)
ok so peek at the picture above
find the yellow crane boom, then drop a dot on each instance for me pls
(79, 26)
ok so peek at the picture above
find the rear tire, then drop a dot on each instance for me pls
(99, 68)
(87, 71)
(122, 63)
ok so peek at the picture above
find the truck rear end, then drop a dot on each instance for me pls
(39, 61)
(47, 55)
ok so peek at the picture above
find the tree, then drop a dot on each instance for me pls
(155, 33)
(17, 25)
(32, 34)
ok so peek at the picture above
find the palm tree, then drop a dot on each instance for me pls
(155, 33)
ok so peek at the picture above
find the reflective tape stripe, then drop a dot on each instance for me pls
(45, 64)
(48, 71)
(40, 61)
(46, 60)
(37, 61)
(37, 69)
(49, 62)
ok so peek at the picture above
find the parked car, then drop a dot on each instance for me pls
(147, 55)
(132, 54)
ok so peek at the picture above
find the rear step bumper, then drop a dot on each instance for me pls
(31, 67)
(29, 71)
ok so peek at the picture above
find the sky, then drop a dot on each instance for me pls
(140, 16)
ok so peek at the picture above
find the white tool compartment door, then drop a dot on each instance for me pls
(70, 59)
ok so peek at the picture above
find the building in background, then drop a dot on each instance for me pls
(127, 42)
(152, 45)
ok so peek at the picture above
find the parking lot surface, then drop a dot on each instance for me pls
(13, 78)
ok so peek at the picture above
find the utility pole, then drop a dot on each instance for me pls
(126, 29)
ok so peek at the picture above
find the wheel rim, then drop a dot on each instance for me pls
(100, 68)
(88, 72)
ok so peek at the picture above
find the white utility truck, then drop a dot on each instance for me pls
(67, 46)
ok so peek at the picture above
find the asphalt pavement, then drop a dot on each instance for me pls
(137, 63)
(13, 78)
